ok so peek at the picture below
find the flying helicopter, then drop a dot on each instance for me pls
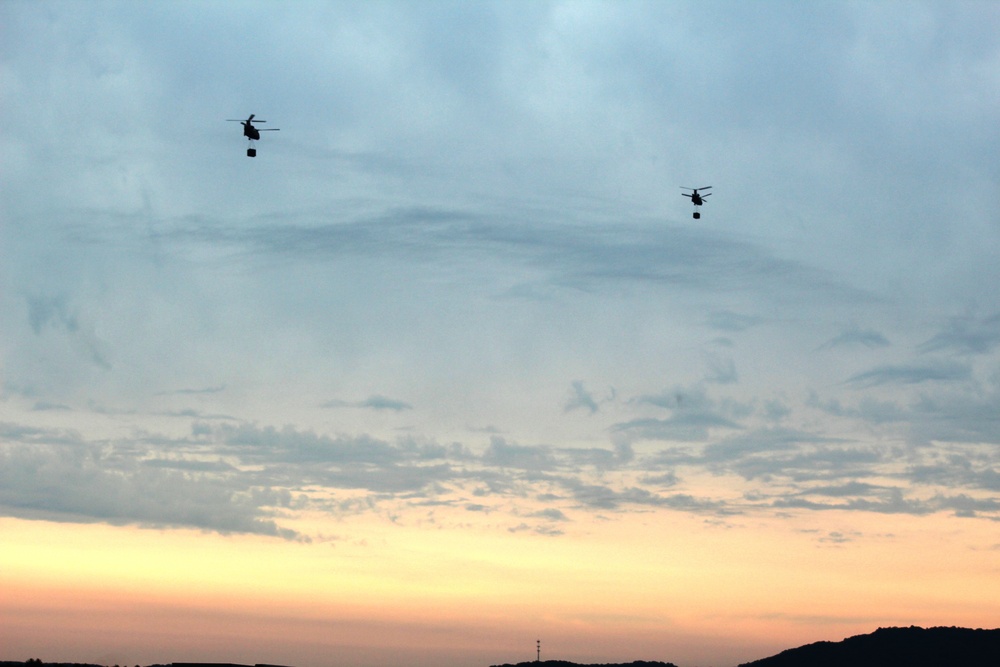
(251, 133)
(697, 198)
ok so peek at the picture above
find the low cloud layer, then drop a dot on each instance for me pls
(236, 476)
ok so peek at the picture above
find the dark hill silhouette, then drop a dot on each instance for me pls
(896, 647)
(886, 647)
(566, 663)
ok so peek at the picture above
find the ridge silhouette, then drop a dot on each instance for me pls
(886, 647)
(892, 647)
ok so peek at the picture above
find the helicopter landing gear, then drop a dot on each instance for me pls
(251, 152)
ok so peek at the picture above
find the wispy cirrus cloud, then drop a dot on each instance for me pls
(599, 255)
(857, 336)
(694, 416)
(373, 402)
(56, 314)
(583, 399)
(689, 426)
(893, 501)
(917, 373)
(217, 389)
(721, 370)
(580, 399)
(731, 322)
(966, 335)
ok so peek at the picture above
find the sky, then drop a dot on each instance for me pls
(449, 368)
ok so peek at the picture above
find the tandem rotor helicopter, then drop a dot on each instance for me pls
(697, 198)
(251, 133)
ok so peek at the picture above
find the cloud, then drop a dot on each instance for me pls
(729, 321)
(721, 371)
(776, 410)
(373, 402)
(768, 440)
(837, 537)
(382, 403)
(789, 454)
(83, 483)
(966, 335)
(939, 371)
(255, 444)
(600, 255)
(661, 480)
(547, 530)
(867, 409)
(54, 314)
(966, 506)
(893, 501)
(694, 416)
(552, 514)
(191, 465)
(970, 416)
(602, 497)
(194, 392)
(43, 406)
(685, 427)
(960, 413)
(51, 312)
(580, 399)
(477, 507)
(856, 336)
(848, 489)
(525, 457)
(245, 477)
(597, 458)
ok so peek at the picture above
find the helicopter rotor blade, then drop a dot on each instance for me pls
(270, 129)
(706, 188)
(251, 117)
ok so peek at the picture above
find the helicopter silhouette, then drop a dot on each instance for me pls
(697, 198)
(251, 133)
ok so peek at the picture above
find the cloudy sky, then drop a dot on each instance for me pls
(449, 368)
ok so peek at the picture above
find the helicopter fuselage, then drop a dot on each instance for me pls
(696, 197)
(251, 132)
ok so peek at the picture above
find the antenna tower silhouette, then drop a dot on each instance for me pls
(538, 651)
